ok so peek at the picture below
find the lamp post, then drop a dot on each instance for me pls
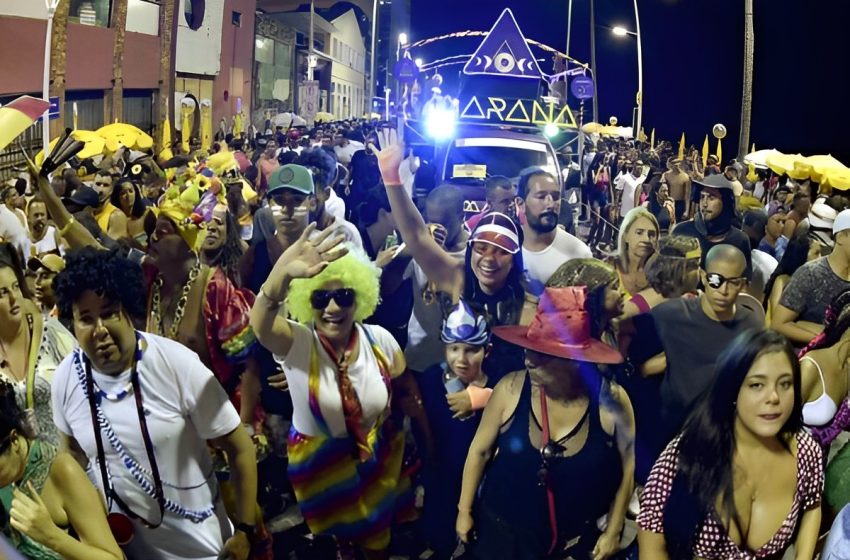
(51, 6)
(373, 72)
(622, 32)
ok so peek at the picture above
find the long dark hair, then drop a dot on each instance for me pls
(138, 209)
(227, 257)
(796, 254)
(707, 443)
(508, 309)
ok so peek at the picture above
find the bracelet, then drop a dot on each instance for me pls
(67, 226)
(275, 303)
(248, 529)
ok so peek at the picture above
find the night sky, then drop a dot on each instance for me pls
(693, 63)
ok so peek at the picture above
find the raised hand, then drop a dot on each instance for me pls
(390, 155)
(308, 257)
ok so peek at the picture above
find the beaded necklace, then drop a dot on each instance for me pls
(140, 474)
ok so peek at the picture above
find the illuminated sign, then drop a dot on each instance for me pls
(526, 112)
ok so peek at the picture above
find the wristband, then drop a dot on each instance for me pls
(478, 396)
(275, 303)
(248, 529)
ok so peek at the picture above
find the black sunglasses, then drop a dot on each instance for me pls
(344, 297)
(716, 280)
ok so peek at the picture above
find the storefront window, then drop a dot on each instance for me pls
(90, 12)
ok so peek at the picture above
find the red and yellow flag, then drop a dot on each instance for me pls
(18, 116)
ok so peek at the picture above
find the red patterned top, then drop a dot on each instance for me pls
(713, 541)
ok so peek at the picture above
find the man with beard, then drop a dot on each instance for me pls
(546, 246)
(109, 217)
(712, 224)
(43, 237)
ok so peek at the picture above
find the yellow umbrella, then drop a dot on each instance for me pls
(123, 134)
(592, 128)
(682, 147)
(820, 163)
(781, 163)
(801, 170)
(836, 178)
(18, 116)
(705, 151)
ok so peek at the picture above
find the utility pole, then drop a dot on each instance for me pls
(373, 73)
(310, 47)
(747, 98)
(569, 29)
(639, 123)
(593, 61)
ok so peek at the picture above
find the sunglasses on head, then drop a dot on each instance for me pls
(344, 297)
(716, 280)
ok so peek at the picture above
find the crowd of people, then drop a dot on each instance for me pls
(308, 330)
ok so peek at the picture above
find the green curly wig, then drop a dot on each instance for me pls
(354, 270)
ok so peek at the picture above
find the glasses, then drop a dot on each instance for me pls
(716, 280)
(344, 297)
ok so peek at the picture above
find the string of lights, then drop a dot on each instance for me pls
(470, 33)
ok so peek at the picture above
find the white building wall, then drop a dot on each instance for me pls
(199, 52)
(348, 72)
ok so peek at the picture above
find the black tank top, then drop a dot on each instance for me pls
(584, 484)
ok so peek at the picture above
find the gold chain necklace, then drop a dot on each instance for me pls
(156, 303)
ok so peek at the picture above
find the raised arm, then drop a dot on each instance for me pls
(435, 262)
(73, 232)
(304, 259)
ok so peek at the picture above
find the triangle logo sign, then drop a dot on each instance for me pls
(504, 52)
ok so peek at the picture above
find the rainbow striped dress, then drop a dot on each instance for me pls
(338, 494)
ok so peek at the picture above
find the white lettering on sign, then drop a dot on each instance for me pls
(522, 111)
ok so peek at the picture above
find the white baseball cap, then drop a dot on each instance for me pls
(842, 221)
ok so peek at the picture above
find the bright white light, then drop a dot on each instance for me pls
(260, 43)
(620, 31)
(550, 130)
(440, 124)
(402, 38)
(419, 62)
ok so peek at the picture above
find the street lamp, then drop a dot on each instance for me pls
(622, 32)
(419, 62)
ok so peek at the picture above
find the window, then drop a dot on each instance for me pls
(193, 11)
(236, 19)
(90, 12)
(143, 17)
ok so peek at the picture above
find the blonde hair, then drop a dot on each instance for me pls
(354, 271)
(629, 219)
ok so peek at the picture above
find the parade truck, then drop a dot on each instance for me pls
(503, 120)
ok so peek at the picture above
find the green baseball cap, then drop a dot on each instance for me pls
(294, 177)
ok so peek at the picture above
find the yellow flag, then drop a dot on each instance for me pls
(719, 152)
(753, 149)
(705, 151)
(682, 147)
(652, 139)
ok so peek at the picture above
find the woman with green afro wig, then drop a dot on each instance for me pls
(340, 374)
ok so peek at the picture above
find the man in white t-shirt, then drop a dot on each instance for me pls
(545, 246)
(627, 188)
(183, 407)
